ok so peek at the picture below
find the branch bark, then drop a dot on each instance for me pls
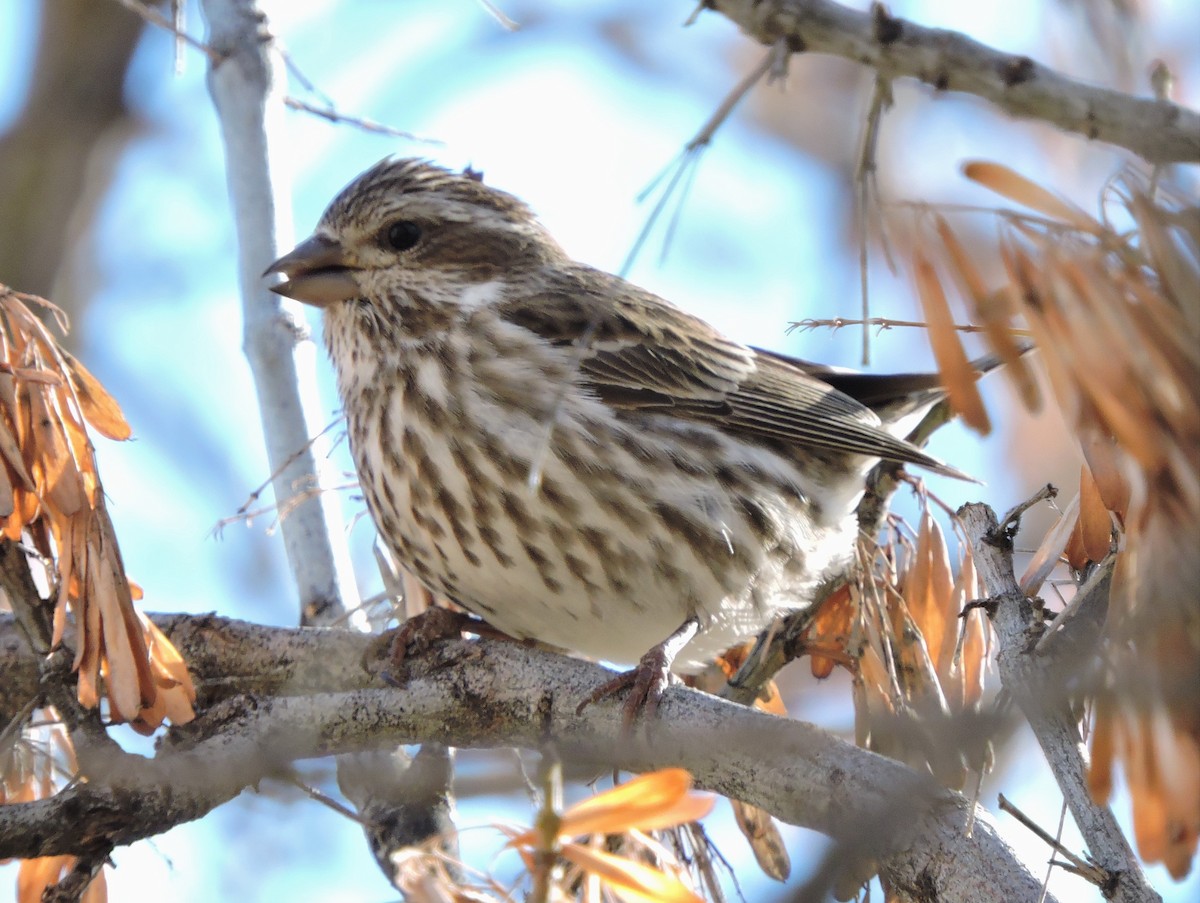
(494, 694)
(1028, 677)
(1157, 130)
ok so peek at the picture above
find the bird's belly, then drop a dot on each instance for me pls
(593, 537)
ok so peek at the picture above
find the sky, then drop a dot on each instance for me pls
(576, 113)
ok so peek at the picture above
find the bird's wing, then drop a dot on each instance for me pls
(637, 352)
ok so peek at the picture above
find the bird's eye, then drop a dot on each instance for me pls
(402, 235)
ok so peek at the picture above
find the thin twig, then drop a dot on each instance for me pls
(947, 61)
(883, 323)
(496, 13)
(1084, 869)
(864, 177)
(1012, 520)
(305, 82)
(177, 20)
(262, 487)
(1029, 678)
(324, 799)
(154, 17)
(367, 125)
(690, 155)
(280, 509)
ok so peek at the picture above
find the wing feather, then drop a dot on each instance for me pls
(639, 352)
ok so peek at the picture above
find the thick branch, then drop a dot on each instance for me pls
(1158, 130)
(1027, 677)
(495, 694)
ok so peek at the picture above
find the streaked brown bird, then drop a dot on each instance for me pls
(569, 456)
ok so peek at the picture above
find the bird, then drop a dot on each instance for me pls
(570, 457)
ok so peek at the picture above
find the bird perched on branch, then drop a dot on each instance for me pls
(569, 456)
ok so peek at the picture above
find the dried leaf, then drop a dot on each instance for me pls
(761, 832)
(55, 462)
(1045, 559)
(658, 799)
(1179, 277)
(876, 683)
(1103, 745)
(829, 632)
(131, 684)
(99, 407)
(1100, 453)
(1009, 184)
(87, 616)
(1145, 786)
(936, 615)
(1095, 523)
(954, 369)
(12, 456)
(993, 311)
(630, 880)
(1075, 552)
(176, 693)
(66, 581)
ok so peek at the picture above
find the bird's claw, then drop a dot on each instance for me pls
(419, 634)
(647, 684)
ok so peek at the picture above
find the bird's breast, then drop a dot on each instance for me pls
(500, 483)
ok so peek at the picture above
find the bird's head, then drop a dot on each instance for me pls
(405, 226)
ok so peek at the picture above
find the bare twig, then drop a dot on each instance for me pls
(868, 187)
(327, 111)
(323, 798)
(246, 83)
(810, 323)
(1083, 868)
(1012, 518)
(174, 25)
(498, 14)
(690, 155)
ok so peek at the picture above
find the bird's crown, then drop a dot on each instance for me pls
(413, 184)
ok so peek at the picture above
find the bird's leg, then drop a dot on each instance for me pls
(649, 680)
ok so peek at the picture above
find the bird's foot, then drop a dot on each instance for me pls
(421, 633)
(648, 682)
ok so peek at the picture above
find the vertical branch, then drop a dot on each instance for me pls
(1025, 676)
(247, 83)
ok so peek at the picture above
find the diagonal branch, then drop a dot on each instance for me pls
(1157, 130)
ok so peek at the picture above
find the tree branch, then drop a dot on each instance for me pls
(493, 694)
(1026, 675)
(247, 83)
(1157, 130)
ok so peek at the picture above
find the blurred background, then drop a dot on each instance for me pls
(113, 204)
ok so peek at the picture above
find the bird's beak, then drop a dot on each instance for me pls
(318, 272)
